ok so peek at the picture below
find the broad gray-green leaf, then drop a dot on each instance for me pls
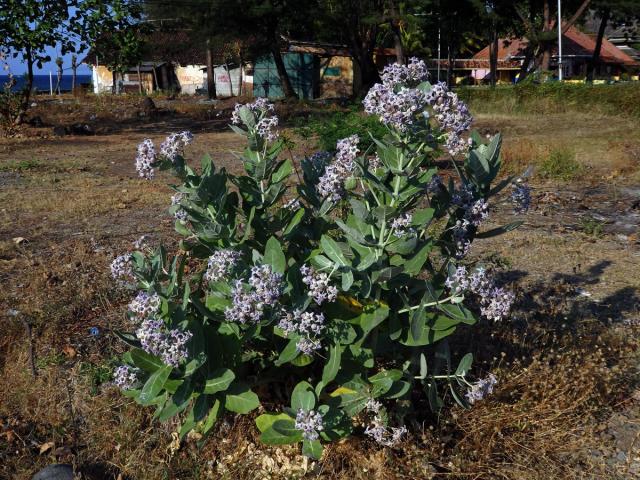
(241, 399)
(219, 380)
(154, 384)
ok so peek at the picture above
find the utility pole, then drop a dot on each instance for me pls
(560, 40)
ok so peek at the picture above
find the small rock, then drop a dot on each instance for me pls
(81, 129)
(57, 471)
(19, 240)
(59, 131)
(36, 122)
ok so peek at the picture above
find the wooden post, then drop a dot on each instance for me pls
(139, 80)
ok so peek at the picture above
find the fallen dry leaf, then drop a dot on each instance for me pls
(69, 351)
(45, 447)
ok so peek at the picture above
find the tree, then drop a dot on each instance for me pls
(610, 11)
(74, 70)
(28, 27)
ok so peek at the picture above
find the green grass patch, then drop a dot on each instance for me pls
(561, 164)
(555, 97)
(21, 165)
(328, 129)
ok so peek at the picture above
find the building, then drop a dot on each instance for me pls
(577, 52)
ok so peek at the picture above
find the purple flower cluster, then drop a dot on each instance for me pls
(122, 267)
(495, 302)
(452, 115)
(293, 205)
(309, 423)
(266, 122)
(331, 183)
(521, 197)
(144, 305)
(180, 213)
(308, 325)
(378, 431)
(174, 144)
(318, 282)
(266, 128)
(409, 75)
(260, 106)
(481, 389)
(475, 212)
(220, 264)
(146, 159)
(265, 288)
(126, 377)
(169, 345)
(396, 109)
(402, 225)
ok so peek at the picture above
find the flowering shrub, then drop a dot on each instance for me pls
(336, 286)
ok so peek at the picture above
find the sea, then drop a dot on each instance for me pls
(41, 82)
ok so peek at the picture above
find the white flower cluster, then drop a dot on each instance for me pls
(146, 159)
(144, 305)
(310, 424)
(331, 183)
(495, 302)
(265, 288)
(180, 213)
(481, 389)
(126, 377)
(220, 264)
(378, 431)
(308, 325)
(402, 225)
(452, 115)
(122, 267)
(169, 345)
(174, 144)
(319, 287)
(410, 75)
(263, 111)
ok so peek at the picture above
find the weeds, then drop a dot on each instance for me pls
(591, 226)
(561, 165)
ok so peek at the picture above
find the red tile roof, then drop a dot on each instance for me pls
(574, 44)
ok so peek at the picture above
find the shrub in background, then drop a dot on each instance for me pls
(324, 298)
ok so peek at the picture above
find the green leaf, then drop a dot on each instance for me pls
(458, 312)
(154, 384)
(303, 397)
(214, 414)
(333, 250)
(241, 399)
(282, 172)
(282, 432)
(274, 255)
(427, 337)
(146, 362)
(293, 223)
(465, 364)
(422, 216)
(370, 320)
(266, 420)
(289, 353)
(219, 380)
(312, 449)
(347, 280)
(332, 366)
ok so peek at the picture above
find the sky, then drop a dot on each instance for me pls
(18, 67)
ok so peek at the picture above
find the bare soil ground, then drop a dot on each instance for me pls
(568, 401)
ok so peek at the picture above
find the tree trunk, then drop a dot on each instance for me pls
(241, 76)
(285, 81)
(397, 39)
(493, 55)
(26, 92)
(211, 80)
(139, 80)
(226, 67)
(74, 68)
(366, 73)
(545, 61)
(596, 53)
(113, 82)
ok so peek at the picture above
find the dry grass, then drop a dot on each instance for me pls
(565, 363)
